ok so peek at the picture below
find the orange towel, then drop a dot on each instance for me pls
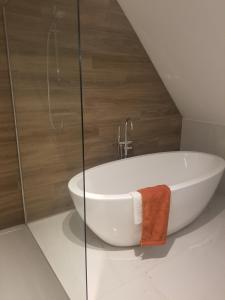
(155, 214)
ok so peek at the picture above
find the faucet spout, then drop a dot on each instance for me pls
(129, 121)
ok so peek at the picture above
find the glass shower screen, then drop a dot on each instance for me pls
(43, 51)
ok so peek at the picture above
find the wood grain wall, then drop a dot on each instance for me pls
(49, 156)
(120, 81)
(11, 209)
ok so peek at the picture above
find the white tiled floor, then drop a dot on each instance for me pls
(64, 250)
(24, 272)
(190, 266)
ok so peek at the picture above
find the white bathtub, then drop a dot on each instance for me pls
(192, 177)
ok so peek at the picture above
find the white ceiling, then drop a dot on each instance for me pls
(186, 43)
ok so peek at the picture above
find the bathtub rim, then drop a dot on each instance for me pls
(74, 188)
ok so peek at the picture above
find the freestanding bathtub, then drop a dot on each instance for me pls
(192, 177)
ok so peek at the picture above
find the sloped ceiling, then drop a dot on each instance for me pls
(186, 42)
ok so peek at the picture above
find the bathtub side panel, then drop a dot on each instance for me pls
(113, 221)
(189, 202)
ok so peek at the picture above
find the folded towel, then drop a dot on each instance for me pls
(137, 207)
(155, 214)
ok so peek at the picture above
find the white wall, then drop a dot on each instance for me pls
(186, 42)
(206, 137)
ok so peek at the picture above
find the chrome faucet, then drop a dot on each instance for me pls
(125, 145)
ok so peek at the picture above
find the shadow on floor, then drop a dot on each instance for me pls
(73, 228)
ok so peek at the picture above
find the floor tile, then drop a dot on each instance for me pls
(25, 273)
(190, 266)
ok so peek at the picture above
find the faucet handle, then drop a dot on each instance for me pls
(125, 143)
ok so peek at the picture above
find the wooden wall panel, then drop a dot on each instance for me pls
(49, 156)
(11, 208)
(120, 81)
